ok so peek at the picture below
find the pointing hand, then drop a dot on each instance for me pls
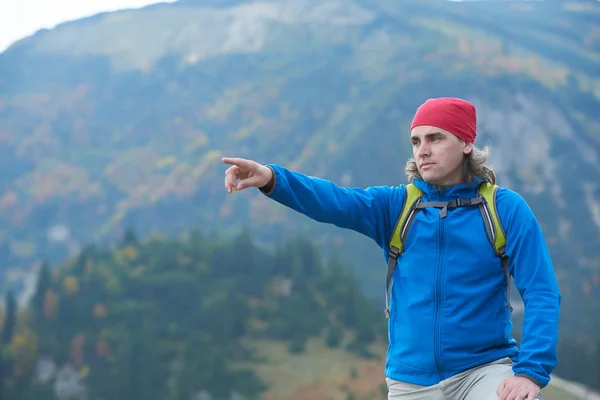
(245, 173)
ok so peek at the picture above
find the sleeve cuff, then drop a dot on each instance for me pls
(532, 377)
(269, 187)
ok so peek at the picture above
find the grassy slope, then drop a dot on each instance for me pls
(319, 372)
(332, 374)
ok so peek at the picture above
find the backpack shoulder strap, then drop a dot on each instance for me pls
(493, 226)
(407, 214)
(413, 194)
(495, 231)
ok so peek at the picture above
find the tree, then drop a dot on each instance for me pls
(10, 320)
(334, 337)
(129, 238)
(38, 299)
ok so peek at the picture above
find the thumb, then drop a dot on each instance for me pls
(252, 181)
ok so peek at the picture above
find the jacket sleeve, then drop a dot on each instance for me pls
(533, 272)
(365, 211)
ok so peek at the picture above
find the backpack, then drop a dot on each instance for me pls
(486, 200)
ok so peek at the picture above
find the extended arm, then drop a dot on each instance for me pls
(363, 210)
(534, 276)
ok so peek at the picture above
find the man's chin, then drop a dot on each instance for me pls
(429, 178)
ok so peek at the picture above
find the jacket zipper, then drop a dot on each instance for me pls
(438, 301)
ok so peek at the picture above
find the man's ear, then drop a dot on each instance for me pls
(467, 148)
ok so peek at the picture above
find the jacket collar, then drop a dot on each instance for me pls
(445, 193)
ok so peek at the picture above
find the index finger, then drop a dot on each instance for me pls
(240, 162)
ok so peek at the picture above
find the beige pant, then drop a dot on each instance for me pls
(478, 383)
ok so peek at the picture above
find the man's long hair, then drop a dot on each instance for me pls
(474, 166)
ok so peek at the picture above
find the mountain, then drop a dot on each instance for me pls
(119, 120)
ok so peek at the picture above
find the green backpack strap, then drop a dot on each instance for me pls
(413, 196)
(495, 231)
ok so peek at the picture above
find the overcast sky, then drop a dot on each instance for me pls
(21, 18)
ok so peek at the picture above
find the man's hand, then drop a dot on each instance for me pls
(518, 388)
(248, 172)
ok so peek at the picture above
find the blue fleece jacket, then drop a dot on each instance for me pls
(447, 302)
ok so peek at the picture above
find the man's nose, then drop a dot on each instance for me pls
(424, 150)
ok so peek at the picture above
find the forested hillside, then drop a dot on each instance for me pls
(175, 318)
(204, 315)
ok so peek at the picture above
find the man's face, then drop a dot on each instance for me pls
(439, 154)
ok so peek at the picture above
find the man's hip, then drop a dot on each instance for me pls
(479, 383)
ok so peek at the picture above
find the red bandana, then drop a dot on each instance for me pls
(452, 114)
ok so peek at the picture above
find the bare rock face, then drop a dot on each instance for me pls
(196, 33)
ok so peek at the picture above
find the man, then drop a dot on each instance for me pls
(449, 324)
